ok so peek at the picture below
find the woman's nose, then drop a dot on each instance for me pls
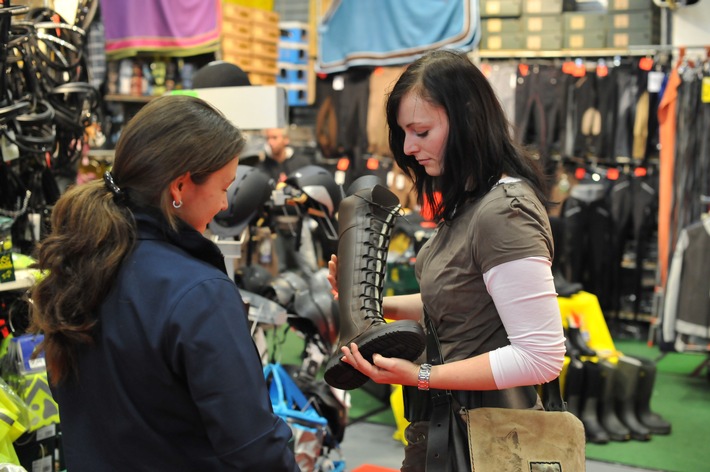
(410, 146)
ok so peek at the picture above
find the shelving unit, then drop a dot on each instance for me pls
(648, 50)
(129, 98)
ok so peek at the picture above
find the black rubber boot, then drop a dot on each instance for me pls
(576, 340)
(644, 390)
(365, 221)
(607, 412)
(574, 387)
(594, 431)
(626, 380)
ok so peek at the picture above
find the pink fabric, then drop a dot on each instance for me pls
(155, 25)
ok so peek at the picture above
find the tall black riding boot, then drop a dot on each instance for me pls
(365, 221)
(574, 386)
(576, 339)
(607, 409)
(647, 379)
(592, 428)
(627, 370)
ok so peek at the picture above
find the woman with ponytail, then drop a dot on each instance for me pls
(148, 349)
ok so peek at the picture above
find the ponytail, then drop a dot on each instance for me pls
(92, 231)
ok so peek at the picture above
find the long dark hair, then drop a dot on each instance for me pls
(93, 231)
(479, 147)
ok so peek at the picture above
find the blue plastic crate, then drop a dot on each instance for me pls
(297, 95)
(292, 74)
(294, 31)
(294, 53)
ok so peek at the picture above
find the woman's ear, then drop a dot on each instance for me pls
(177, 186)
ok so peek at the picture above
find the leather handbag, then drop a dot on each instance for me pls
(502, 439)
(549, 440)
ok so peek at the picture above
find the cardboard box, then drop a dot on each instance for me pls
(585, 40)
(622, 39)
(501, 8)
(616, 5)
(634, 20)
(542, 23)
(543, 41)
(496, 42)
(584, 21)
(542, 7)
(500, 25)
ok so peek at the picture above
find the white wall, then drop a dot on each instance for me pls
(691, 25)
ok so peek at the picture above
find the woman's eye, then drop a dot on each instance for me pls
(423, 134)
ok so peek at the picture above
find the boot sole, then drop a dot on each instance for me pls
(403, 339)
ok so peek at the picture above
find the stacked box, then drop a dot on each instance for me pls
(540, 7)
(544, 30)
(500, 25)
(293, 62)
(250, 39)
(634, 27)
(626, 5)
(501, 8)
(585, 30)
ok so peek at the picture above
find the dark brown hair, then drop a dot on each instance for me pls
(479, 147)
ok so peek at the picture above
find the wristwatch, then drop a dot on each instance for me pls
(423, 377)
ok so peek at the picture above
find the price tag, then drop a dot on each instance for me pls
(705, 90)
(338, 83)
(655, 80)
(7, 268)
(10, 151)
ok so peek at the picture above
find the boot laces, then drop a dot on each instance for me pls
(375, 260)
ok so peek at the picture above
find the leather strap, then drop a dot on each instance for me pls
(437, 454)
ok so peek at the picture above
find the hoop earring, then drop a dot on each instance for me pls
(177, 205)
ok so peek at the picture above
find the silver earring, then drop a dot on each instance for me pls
(177, 205)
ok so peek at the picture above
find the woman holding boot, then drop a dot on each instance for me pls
(485, 276)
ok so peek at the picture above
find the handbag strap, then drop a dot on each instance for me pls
(552, 396)
(440, 421)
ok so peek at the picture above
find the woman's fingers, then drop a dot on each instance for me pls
(333, 275)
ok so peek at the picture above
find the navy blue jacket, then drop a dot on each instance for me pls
(174, 381)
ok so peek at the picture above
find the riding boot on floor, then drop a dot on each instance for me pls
(627, 370)
(593, 429)
(365, 222)
(608, 418)
(647, 378)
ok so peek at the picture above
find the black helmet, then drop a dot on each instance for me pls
(247, 196)
(320, 187)
(324, 195)
(317, 311)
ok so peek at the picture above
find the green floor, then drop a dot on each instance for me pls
(680, 397)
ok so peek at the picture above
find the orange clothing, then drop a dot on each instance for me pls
(667, 134)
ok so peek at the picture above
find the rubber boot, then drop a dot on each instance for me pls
(646, 380)
(593, 430)
(577, 341)
(607, 409)
(365, 221)
(626, 380)
(574, 386)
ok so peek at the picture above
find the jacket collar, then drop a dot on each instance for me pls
(152, 225)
